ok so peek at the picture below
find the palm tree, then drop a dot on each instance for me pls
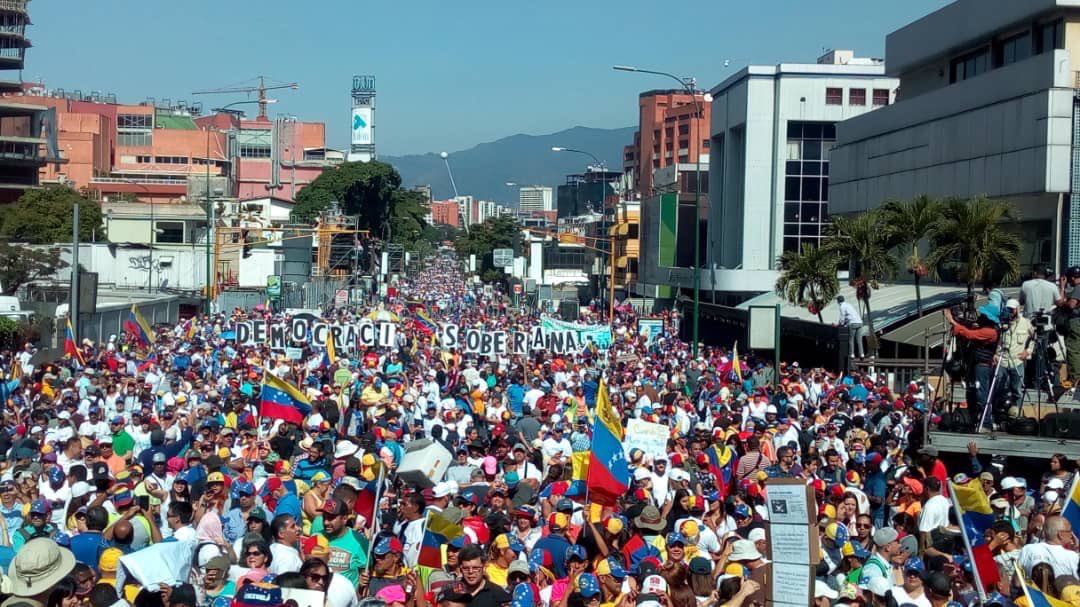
(972, 233)
(909, 223)
(861, 239)
(812, 272)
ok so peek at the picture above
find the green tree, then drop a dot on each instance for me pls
(407, 221)
(908, 224)
(972, 235)
(20, 265)
(808, 276)
(364, 189)
(43, 216)
(494, 233)
(859, 240)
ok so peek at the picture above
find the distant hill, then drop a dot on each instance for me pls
(482, 171)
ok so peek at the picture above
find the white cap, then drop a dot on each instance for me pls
(1050, 496)
(756, 534)
(821, 589)
(1055, 483)
(654, 584)
(442, 489)
(641, 474)
(1012, 303)
(1009, 482)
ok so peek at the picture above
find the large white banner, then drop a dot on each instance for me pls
(361, 126)
(649, 437)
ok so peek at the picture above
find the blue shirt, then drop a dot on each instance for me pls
(87, 547)
(557, 546)
(516, 395)
(233, 525)
(876, 486)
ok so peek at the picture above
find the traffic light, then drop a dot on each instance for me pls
(247, 248)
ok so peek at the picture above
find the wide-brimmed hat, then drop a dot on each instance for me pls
(744, 550)
(38, 566)
(650, 519)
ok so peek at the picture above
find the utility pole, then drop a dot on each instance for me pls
(73, 309)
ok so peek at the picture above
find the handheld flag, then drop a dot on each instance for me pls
(70, 347)
(736, 367)
(15, 370)
(423, 323)
(331, 350)
(282, 400)
(1036, 597)
(136, 326)
(192, 328)
(976, 517)
(608, 476)
(1071, 511)
(144, 364)
(722, 466)
(438, 532)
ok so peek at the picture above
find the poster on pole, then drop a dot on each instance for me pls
(650, 329)
(647, 436)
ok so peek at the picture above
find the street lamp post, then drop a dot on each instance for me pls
(688, 84)
(611, 254)
(464, 219)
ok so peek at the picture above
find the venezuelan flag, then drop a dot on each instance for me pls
(438, 532)
(147, 362)
(1036, 597)
(192, 328)
(136, 326)
(282, 400)
(1071, 511)
(15, 370)
(70, 347)
(722, 466)
(331, 351)
(736, 367)
(609, 474)
(423, 323)
(976, 517)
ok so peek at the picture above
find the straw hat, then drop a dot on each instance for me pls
(38, 566)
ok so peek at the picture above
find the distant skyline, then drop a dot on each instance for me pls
(449, 75)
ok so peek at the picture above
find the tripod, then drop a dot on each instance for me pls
(1044, 374)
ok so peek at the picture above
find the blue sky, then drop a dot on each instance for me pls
(450, 74)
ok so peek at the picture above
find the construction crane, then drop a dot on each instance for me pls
(261, 90)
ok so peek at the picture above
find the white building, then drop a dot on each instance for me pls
(466, 209)
(986, 106)
(773, 127)
(535, 198)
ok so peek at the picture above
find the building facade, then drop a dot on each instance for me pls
(445, 212)
(535, 198)
(773, 130)
(670, 132)
(987, 106)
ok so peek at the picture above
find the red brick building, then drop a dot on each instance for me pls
(669, 132)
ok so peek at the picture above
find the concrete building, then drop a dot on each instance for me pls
(585, 193)
(446, 212)
(27, 130)
(987, 106)
(773, 129)
(669, 132)
(535, 198)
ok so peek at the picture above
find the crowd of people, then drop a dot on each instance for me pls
(144, 474)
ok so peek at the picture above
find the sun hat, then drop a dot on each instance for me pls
(38, 566)
(650, 519)
(744, 550)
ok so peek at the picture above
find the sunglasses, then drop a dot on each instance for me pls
(253, 553)
(318, 577)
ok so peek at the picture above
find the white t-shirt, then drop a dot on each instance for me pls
(286, 559)
(552, 447)
(903, 598)
(1063, 560)
(935, 513)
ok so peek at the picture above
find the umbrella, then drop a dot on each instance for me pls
(306, 316)
(383, 315)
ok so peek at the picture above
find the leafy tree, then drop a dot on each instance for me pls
(809, 272)
(859, 240)
(364, 189)
(908, 224)
(407, 222)
(972, 234)
(20, 265)
(494, 233)
(43, 216)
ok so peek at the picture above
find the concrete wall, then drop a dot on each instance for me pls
(1004, 133)
(132, 267)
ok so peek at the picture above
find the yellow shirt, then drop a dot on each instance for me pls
(497, 575)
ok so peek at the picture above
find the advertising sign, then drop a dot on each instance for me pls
(361, 126)
(273, 287)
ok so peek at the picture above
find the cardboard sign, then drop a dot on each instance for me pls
(647, 436)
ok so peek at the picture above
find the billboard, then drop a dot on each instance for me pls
(361, 126)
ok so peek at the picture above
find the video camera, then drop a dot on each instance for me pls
(965, 312)
(1043, 323)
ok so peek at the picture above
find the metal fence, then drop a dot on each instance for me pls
(318, 293)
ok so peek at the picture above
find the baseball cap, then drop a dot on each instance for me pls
(885, 536)
(40, 507)
(215, 477)
(611, 566)
(505, 540)
(258, 594)
(588, 586)
(576, 552)
(387, 545)
(654, 584)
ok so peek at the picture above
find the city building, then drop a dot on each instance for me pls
(28, 130)
(535, 198)
(585, 193)
(669, 132)
(162, 151)
(987, 105)
(772, 130)
(446, 212)
(624, 236)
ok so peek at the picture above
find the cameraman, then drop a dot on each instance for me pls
(982, 338)
(1038, 294)
(1070, 294)
(1017, 334)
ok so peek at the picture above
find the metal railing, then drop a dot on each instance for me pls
(181, 181)
(13, 5)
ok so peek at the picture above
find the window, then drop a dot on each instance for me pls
(834, 96)
(135, 139)
(254, 150)
(969, 65)
(857, 96)
(684, 159)
(684, 129)
(881, 97)
(705, 143)
(171, 232)
(632, 231)
(143, 159)
(134, 121)
(1049, 36)
(806, 182)
(1012, 49)
(669, 132)
(170, 160)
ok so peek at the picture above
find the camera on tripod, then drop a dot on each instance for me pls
(1042, 322)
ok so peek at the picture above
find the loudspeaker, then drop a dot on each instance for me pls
(1022, 426)
(1061, 425)
(425, 466)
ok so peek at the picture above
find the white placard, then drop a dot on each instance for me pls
(790, 543)
(791, 582)
(649, 437)
(294, 353)
(787, 504)
(762, 327)
(303, 596)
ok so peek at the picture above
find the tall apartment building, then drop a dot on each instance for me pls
(535, 198)
(988, 105)
(27, 130)
(669, 132)
(446, 212)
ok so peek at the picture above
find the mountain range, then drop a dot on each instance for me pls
(482, 171)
